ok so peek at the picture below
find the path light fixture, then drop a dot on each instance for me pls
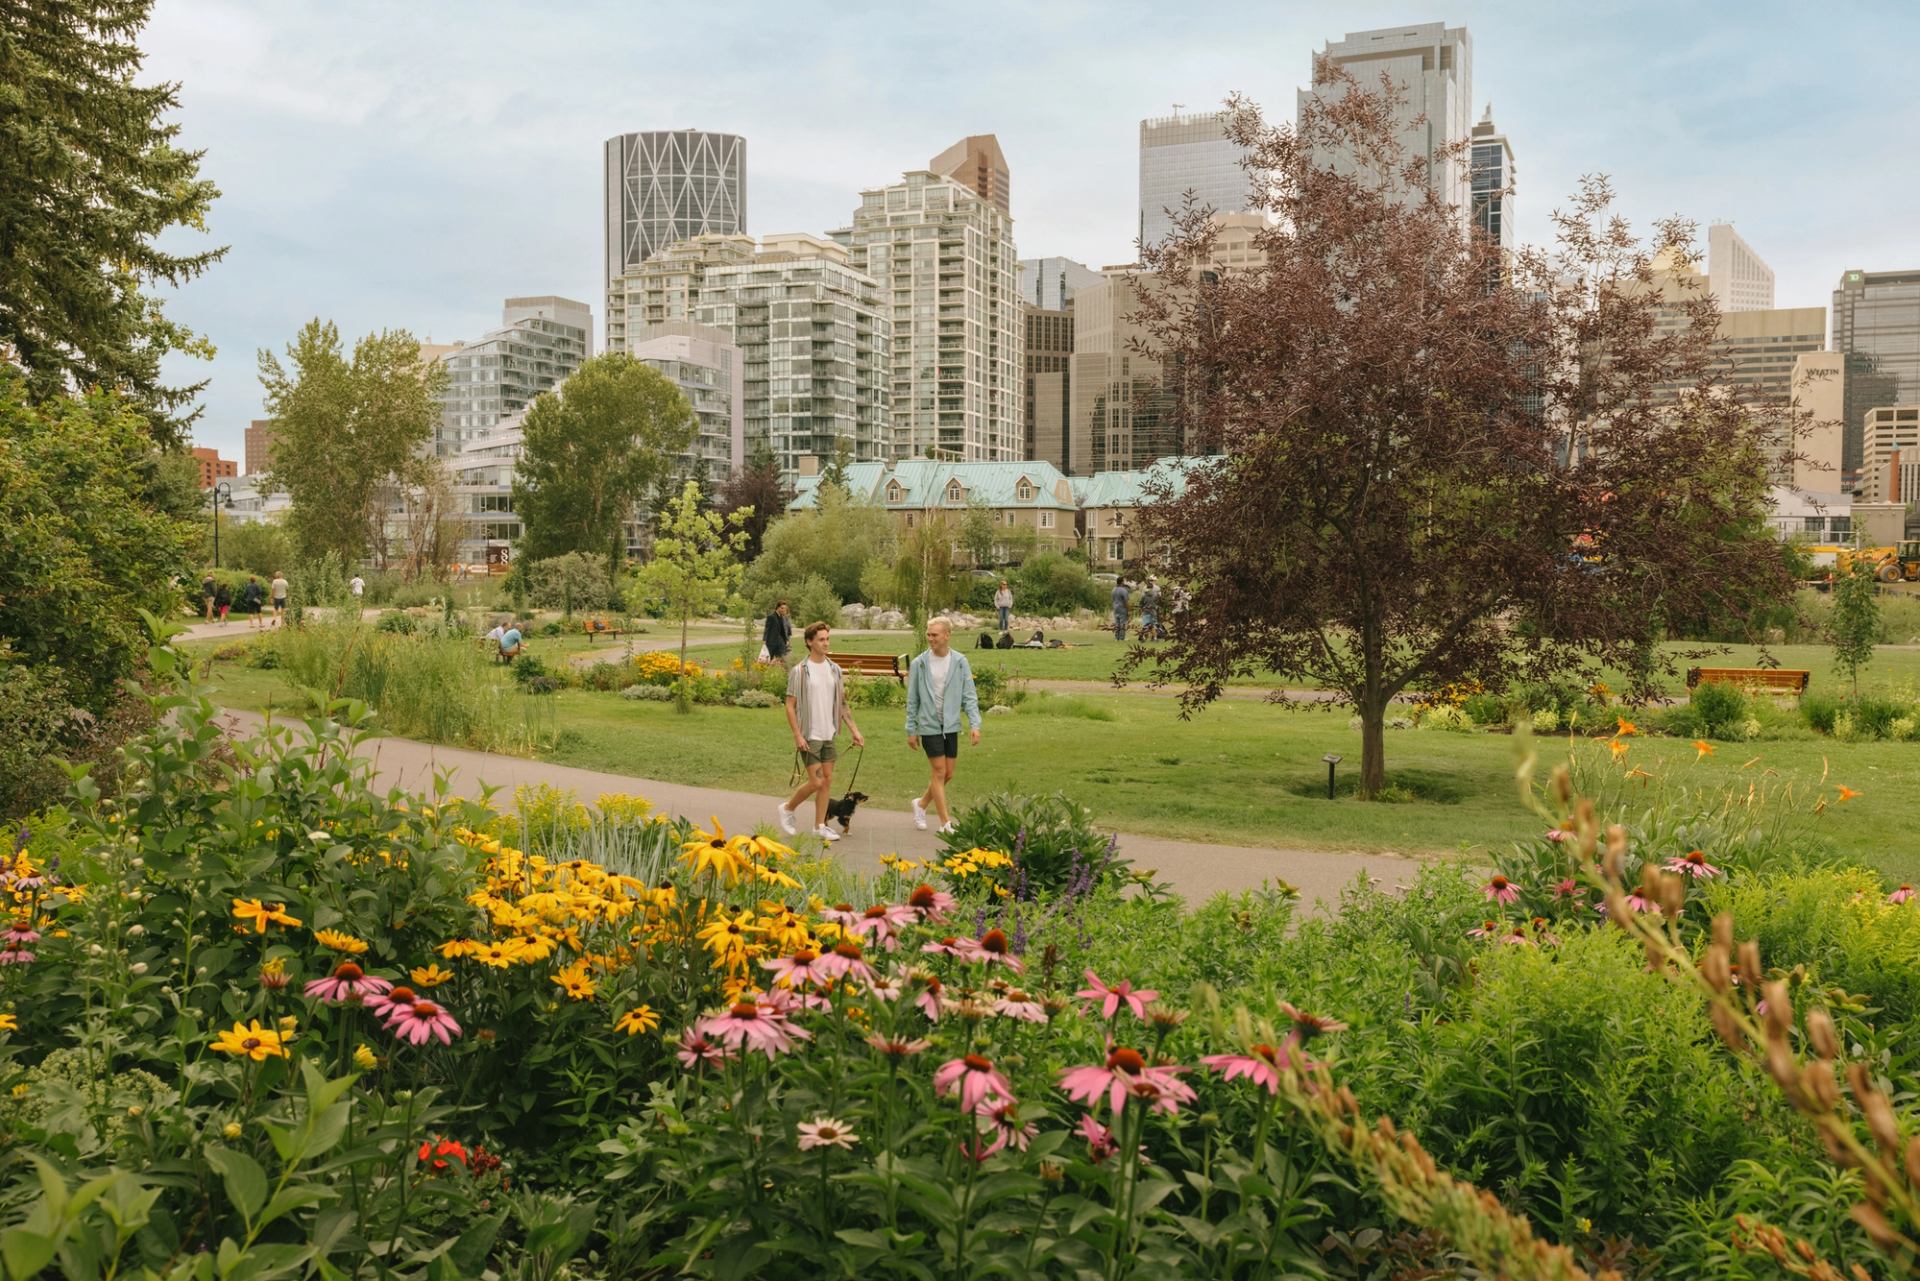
(222, 495)
(1332, 759)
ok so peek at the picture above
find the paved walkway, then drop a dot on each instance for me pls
(1194, 870)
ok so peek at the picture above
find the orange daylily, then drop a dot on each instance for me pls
(1619, 748)
(1702, 748)
(1627, 727)
(1846, 794)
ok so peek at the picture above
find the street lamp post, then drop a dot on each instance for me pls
(222, 493)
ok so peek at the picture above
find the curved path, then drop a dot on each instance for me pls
(1194, 870)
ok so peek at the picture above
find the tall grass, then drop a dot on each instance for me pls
(427, 685)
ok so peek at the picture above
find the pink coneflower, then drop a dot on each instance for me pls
(975, 1078)
(1901, 895)
(993, 949)
(878, 922)
(348, 984)
(950, 946)
(1125, 1069)
(1692, 863)
(1019, 1005)
(1556, 835)
(14, 952)
(20, 933)
(1517, 936)
(697, 1049)
(389, 1003)
(1485, 930)
(928, 904)
(825, 1132)
(847, 961)
(932, 1001)
(1307, 1026)
(1501, 890)
(805, 968)
(1567, 888)
(421, 1020)
(1100, 1144)
(895, 1048)
(786, 1000)
(753, 1025)
(886, 987)
(1110, 999)
(1640, 904)
(1001, 1119)
(841, 914)
(1261, 1064)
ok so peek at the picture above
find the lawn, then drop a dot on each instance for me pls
(1239, 773)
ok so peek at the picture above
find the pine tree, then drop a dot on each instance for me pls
(90, 177)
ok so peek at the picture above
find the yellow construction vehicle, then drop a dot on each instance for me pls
(1891, 563)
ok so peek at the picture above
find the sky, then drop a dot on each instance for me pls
(412, 165)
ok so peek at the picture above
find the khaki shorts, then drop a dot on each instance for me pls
(820, 751)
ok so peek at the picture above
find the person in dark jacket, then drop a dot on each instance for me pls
(252, 597)
(778, 638)
(222, 601)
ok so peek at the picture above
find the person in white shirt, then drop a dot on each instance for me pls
(1003, 602)
(816, 709)
(939, 692)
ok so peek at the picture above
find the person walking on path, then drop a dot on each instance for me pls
(1120, 609)
(207, 589)
(358, 586)
(1150, 611)
(816, 709)
(939, 689)
(778, 637)
(252, 597)
(279, 596)
(1003, 601)
(222, 601)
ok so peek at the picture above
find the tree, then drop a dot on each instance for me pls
(923, 576)
(82, 546)
(1855, 625)
(756, 487)
(979, 531)
(834, 474)
(593, 450)
(90, 179)
(835, 539)
(1429, 464)
(346, 433)
(695, 566)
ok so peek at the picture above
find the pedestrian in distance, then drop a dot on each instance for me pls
(207, 589)
(358, 586)
(1120, 609)
(222, 602)
(511, 643)
(1003, 601)
(1150, 610)
(252, 598)
(816, 709)
(278, 595)
(777, 638)
(940, 691)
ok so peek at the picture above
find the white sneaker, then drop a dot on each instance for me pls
(919, 814)
(786, 818)
(826, 834)
(946, 828)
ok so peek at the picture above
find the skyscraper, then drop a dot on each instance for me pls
(1050, 283)
(945, 262)
(975, 162)
(540, 341)
(1179, 154)
(1049, 382)
(1740, 281)
(1432, 65)
(1493, 183)
(668, 186)
(1876, 326)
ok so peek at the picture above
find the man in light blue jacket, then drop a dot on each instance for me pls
(939, 689)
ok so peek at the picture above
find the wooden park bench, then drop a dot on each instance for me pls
(596, 629)
(893, 665)
(1784, 679)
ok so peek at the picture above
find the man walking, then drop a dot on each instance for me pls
(816, 709)
(1120, 609)
(207, 589)
(278, 595)
(939, 689)
(252, 597)
(1003, 601)
(1150, 611)
(778, 637)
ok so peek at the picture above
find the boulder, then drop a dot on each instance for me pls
(888, 619)
(853, 614)
(999, 709)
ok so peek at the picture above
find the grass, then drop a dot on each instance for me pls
(1240, 773)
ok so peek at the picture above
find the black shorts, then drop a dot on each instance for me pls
(938, 745)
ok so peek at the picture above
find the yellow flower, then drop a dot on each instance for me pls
(231, 1131)
(576, 982)
(499, 955)
(429, 975)
(1701, 748)
(340, 942)
(729, 937)
(713, 852)
(640, 1018)
(9, 1023)
(261, 916)
(251, 1040)
(365, 1059)
(454, 949)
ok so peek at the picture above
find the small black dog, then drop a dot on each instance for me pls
(841, 811)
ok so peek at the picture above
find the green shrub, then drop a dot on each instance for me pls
(1487, 709)
(648, 693)
(1718, 710)
(36, 720)
(754, 698)
(1836, 922)
(873, 691)
(809, 600)
(575, 581)
(1446, 716)
(1051, 839)
(398, 622)
(1819, 711)
(528, 668)
(1050, 583)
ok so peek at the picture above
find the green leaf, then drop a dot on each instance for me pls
(245, 1181)
(24, 1253)
(293, 1198)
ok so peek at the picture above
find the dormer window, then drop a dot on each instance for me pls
(955, 493)
(894, 492)
(1024, 490)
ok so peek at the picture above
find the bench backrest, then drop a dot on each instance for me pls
(1763, 677)
(870, 664)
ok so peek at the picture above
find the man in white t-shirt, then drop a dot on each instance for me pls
(816, 708)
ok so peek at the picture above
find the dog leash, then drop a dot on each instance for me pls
(856, 769)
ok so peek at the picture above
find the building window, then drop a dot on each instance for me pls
(955, 493)
(1046, 520)
(1116, 549)
(1024, 492)
(894, 492)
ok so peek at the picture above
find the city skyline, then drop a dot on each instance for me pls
(426, 192)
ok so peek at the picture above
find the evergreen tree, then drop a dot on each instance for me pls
(90, 177)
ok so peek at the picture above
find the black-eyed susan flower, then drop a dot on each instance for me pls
(251, 911)
(340, 942)
(429, 975)
(252, 1041)
(641, 1018)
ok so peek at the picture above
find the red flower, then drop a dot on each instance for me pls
(434, 1153)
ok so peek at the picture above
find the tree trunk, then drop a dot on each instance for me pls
(1373, 745)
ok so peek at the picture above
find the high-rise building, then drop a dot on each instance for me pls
(1049, 401)
(1740, 280)
(666, 287)
(1192, 153)
(976, 163)
(1049, 283)
(667, 186)
(540, 341)
(1432, 66)
(1876, 326)
(1493, 184)
(213, 467)
(707, 367)
(945, 262)
(1819, 408)
(259, 450)
(1890, 450)
(1762, 347)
